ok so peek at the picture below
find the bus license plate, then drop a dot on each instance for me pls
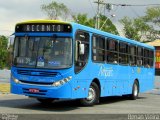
(32, 90)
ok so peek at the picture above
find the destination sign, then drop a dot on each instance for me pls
(43, 28)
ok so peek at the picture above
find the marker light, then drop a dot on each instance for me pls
(61, 82)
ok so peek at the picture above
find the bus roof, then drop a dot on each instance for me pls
(99, 32)
(43, 21)
(92, 30)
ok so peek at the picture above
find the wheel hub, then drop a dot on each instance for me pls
(91, 94)
(135, 90)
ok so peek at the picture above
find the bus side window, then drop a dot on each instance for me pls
(112, 51)
(148, 58)
(98, 48)
(139, 56)
(123, 53)
(151, 58)
(133, 57)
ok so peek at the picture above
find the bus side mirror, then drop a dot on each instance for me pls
(81, 49)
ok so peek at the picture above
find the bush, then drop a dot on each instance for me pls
(4, 53)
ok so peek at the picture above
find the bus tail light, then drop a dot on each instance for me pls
(61, 82)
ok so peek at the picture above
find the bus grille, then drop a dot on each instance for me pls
(37, 73)
(36, 83)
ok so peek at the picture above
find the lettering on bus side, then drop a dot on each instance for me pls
(105, 72)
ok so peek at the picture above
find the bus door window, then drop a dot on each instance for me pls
(81, 50)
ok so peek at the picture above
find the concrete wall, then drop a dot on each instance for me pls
(4, 75)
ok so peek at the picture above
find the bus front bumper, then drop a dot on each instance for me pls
(62, 92)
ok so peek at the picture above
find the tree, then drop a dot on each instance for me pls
(106, 23)
(135, 28)
(55, 10)
(153, 15)
(129, 30)
(3, 51)
(142, 28)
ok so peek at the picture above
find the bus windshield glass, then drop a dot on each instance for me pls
(43, 52)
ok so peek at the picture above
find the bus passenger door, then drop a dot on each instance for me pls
(80, 63)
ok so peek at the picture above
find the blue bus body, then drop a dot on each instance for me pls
(112, 79)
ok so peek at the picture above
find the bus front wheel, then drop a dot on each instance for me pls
(45, 100)
(93, 96)
(135, 91)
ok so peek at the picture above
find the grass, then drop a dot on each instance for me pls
(4, 88)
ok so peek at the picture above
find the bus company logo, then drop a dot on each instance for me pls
(105, 72)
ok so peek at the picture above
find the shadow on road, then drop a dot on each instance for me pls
(57, 106)
(33, 104)
(109, 100)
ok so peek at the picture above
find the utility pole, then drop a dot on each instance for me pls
(107, 6)
(97, 24)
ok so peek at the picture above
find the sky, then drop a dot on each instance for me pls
(14, 11)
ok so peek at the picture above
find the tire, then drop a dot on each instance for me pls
(45, 100)
(93, 96)
(135, 91)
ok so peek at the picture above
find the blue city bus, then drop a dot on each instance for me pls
(62, 60)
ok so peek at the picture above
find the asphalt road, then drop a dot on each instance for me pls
(146, 107)
(146, 103)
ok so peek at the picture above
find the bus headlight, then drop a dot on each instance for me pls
(15, 79)
(61, 82)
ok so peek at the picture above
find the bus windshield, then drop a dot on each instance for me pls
(43, 52)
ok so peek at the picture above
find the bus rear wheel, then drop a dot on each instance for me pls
(45, 100)
(135, 91)
(93, 96)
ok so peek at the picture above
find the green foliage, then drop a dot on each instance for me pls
(141, 28)
(106, 23)
(55, 10)
(82, 19)
(129, 29)
(153, 15)
(3, 52)
(134, 28)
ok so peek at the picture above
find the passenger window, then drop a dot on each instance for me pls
(148, 58)
(139, 56)
(123, 53)
(151, 58)
(98, 49)
(112, 45)
(133, 50)
(132, 58)
(112, 51)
